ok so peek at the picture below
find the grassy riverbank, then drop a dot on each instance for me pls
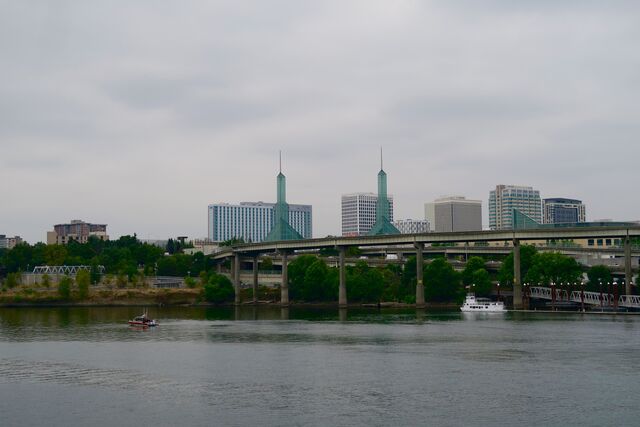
(27, 297)
(30, 297)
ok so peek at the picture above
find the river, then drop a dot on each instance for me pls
(270, 367)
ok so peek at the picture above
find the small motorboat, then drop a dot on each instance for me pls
(485, 305)
(143, 321)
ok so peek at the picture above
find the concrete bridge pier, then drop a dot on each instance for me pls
(236, 277)
(255, 279)
(342, 290)
(517, 279)
(419, 276)
(284, 287)
(628, 278)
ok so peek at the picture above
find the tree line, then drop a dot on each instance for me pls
(310, 278)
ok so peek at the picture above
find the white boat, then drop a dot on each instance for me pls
(471, 303)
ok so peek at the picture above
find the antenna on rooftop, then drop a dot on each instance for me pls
(280, 161)
(381, 158)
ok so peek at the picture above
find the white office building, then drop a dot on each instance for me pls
(454, 213)
(359, 213)
(252, 221)
(507, 198)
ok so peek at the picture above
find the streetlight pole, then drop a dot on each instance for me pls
(601, 302)
(582, 296)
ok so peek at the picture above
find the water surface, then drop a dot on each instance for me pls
(267, 366)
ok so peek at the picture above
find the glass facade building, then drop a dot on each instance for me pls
(252, 221)
(563, 211)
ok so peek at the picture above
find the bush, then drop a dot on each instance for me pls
(13, 280)
(64, 288)
(190, 282)
(219, 289)
(83, 279)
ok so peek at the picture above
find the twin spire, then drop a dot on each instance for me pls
(282, 230)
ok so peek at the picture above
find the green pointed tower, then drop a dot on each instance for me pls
(281, 229)
(382, 225)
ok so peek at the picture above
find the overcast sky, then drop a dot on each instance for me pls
(138, 114)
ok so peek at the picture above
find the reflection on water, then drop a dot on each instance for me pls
(316, 366)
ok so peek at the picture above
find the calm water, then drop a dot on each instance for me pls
(84, 366)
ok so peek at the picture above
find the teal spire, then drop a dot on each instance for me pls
(383, 224)
(281, 229)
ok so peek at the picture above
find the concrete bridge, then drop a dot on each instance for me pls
(416, 243)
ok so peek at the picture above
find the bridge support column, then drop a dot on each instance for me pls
(284, 287)
(517, 276)
(342, 290)
(419, 276)
(236, 277)
(628, 278)
(255, 279)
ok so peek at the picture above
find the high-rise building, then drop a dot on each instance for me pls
(454, 213)
(9, 242)
(252, 221)
(359, 213)
(507, 201)
(257, 222)
(77, 230)
(563, 211)
(411, 226)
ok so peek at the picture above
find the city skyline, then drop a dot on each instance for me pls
(142, 128)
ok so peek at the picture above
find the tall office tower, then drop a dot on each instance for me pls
(77, 230)
(563, 211)
(359, 213)
(506, 199)
(252, 221)
(411, 226)
(454, 213)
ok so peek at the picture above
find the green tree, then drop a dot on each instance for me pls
(473, 264)
(83, 279)
(297, 270)
(365, 284)
(318, 283)
(64, 288)
(171, 246)
(219, 289)
(55, 254)
(553, 267)
(506, 274)
(13, 280)
(481, 282)
(353, 251)
(190, 282)
(233, 241)
(598, 274)
(442, 282)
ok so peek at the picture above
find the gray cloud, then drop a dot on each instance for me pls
(140, 114)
